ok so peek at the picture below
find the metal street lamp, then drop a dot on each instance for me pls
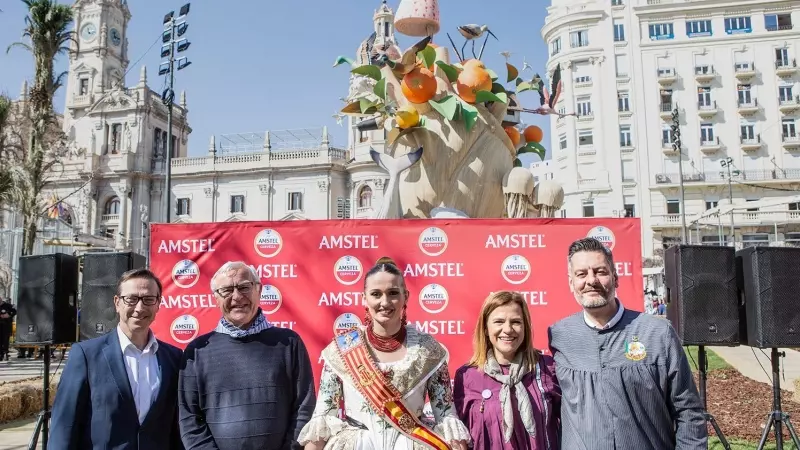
(728, 163)
(174, 28)
(676, 145)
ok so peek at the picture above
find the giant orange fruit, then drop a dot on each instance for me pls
(533, 134)
(472, 79)
(513, 134)
(473, 62)
(419, 85)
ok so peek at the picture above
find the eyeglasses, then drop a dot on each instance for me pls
(132, 300)
(243, 288)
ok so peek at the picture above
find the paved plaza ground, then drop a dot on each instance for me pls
(752, 363)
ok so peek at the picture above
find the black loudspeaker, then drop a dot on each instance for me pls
(771, 289)
(48, 288)
(703, 297)
(101, 272)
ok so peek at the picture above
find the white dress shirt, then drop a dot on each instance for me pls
(614, 320)
(144, 375)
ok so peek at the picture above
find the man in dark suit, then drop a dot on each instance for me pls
(119, 391)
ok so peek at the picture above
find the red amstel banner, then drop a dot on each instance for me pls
(313, 272)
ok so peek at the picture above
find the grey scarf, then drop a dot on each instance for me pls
(513, 379)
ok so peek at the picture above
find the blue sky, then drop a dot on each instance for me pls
(267, 65)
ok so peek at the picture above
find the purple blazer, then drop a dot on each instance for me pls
(486, 428)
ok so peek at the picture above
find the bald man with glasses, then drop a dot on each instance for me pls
(120, 390)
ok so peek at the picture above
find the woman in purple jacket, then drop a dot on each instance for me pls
(508, 395)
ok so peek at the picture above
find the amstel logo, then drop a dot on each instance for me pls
(433, 298)
(603, 235)
(268, 243)
(516, 269)
(433, 241)
(345, 322)
(270, 300)
(186, 273)
(184, 328)
(348, 270)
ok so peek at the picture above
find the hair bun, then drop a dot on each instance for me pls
(386, 260)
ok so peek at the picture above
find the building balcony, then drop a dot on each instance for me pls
(584, 81)
(710, 146)
(666, 110)
(707, 110)
(665, 220)
(257, 161)
(667, 76)
(749, 108)
(750, 144)
(744, 71)
(704, 73)
(791, 142)
(79, 101)
(773, 176)
(109, 218)
(740, 218)
(789, 105)
(588, 117)
(785, 67)
(668, 149)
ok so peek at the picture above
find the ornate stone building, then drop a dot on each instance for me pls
(119, 139)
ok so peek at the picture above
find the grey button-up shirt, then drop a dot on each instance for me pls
(627, 387)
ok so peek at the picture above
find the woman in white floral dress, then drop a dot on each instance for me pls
(380, 374)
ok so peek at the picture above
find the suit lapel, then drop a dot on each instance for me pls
(166, 374)
(113, 354)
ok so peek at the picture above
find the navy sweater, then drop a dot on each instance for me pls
(255, 392)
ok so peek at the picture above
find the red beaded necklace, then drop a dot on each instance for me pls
(386, 344)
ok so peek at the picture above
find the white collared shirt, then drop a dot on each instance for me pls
(143, 373)
(614, 320)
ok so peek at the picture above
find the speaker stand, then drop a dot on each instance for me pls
(43, 420)
(777, 417)
(703, 363)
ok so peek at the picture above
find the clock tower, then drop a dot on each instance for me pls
(99, 55)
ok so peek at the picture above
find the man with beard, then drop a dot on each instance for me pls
(247, 384)
(625, 380)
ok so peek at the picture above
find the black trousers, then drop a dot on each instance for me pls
(5, 337)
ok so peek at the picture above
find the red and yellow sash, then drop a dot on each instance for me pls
(382, 395)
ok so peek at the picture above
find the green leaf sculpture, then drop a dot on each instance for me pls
(428, 56)
(498, 88)
(512, 72)
(371, 71)
(470, 114)
(525, 86)
(492, 74)
(366, 106)
(517, 162)
(533, 147)
(449, 70)
(447, 106)
(380, 89)
(486, 96)
(343, 60)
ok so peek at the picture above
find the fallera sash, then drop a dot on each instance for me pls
(381, 394)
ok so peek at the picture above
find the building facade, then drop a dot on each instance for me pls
(112, 183)
(729, 69)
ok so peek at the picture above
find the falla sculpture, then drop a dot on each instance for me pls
(449, 152)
